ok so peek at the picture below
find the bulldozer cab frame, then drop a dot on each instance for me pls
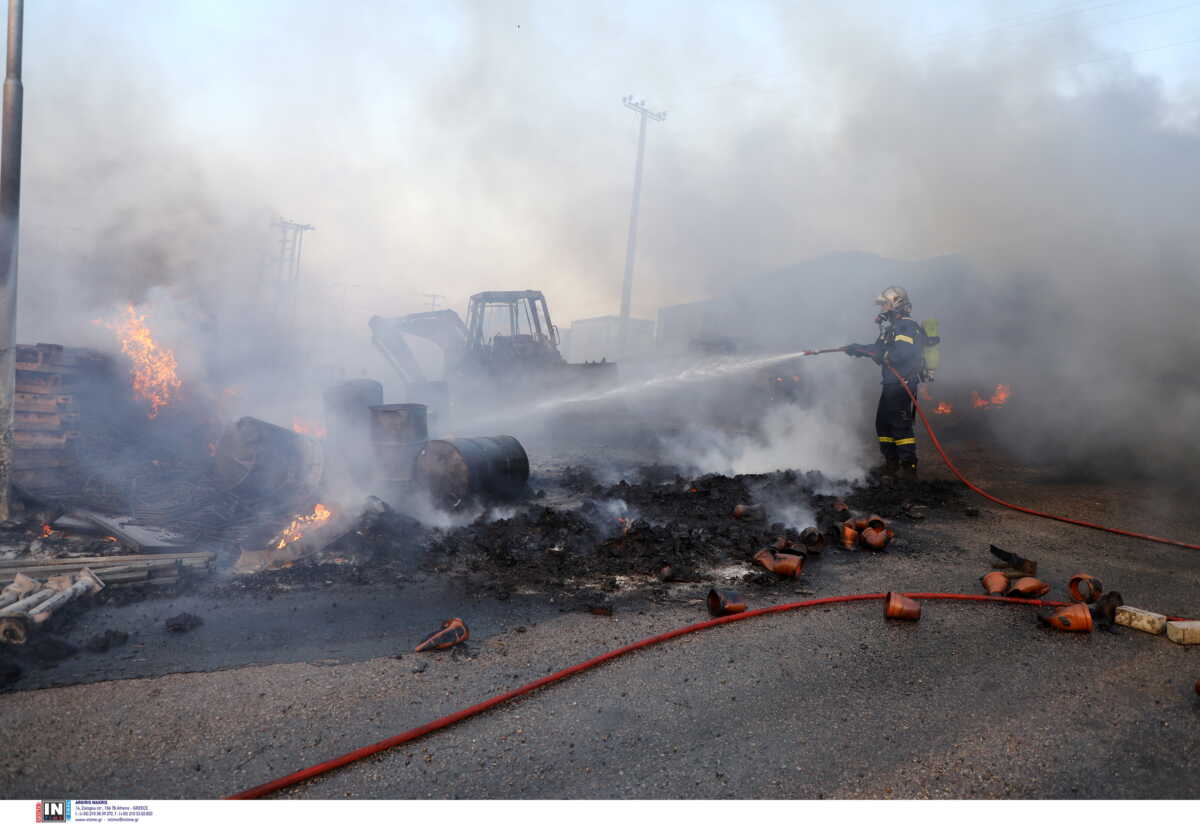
(505, 328)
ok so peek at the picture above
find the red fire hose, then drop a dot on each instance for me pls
(1062, 518)
(483, 706)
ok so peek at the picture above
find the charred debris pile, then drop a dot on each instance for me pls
(663, 529)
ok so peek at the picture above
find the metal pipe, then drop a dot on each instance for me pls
(10, 215)
(27, 603)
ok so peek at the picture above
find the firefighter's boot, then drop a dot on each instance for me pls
(890, 471)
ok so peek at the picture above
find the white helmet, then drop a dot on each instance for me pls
(894, 299)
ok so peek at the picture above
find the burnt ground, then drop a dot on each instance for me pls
(290, 667)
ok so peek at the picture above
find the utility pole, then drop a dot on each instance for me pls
(10, 222)
(631, 248)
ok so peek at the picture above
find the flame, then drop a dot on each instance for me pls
(153, 370)
(998, 398)
(47, 530)
(302, 524)
(308, 428)
(943, 408)
(212, 449)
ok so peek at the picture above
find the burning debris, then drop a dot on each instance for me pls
(297, 528)
(154, 371)
(305, 536)
(999, 397)
(303, 427)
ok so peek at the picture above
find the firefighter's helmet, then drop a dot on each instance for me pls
(894, 299)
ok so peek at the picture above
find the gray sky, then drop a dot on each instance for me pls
(454, 147)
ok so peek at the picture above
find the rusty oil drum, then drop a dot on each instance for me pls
(398, 433)
(263, 459)
(457, 468)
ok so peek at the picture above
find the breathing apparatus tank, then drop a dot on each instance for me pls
(933, 356)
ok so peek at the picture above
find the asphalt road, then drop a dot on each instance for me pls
(972, 701)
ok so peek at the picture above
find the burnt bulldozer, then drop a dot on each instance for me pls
(507, 347)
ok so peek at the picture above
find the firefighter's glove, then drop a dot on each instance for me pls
(857, 350)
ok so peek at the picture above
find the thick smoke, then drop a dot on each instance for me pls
(1042, 187)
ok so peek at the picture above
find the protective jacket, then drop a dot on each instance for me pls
(902, 345)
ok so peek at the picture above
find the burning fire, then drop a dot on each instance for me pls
(998, 398)
(47, 530)
(308, 428)
(153, 371)
(942, 407)
(302, 524)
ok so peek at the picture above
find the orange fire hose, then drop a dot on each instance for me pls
(1062, 518)
(454, 717)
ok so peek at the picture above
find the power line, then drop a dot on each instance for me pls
(950, 35)
(1119, 55)
(1035, 38)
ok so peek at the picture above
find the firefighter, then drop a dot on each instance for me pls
(900, 344)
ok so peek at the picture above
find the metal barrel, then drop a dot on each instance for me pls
(261, 458)
(348, 414)
(456, 468)
(398, 433)
(352, 400)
